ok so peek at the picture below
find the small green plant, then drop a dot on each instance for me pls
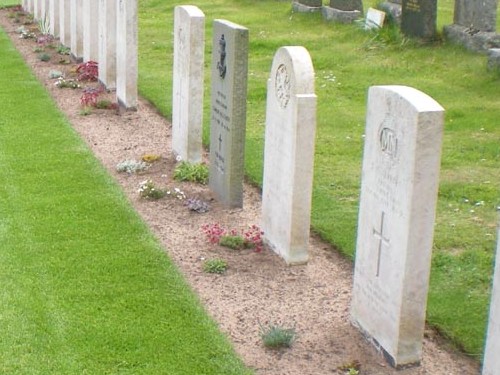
(252, 237)
(218, 266)
(44, 25)
(277, 337)
(176, 193)
(132, 166)
(351, 368)
(186, 171)
(148, 190)
(150, 158)
(234, 242)
(38, 49)
(85, 111)
(45, 57)
(62, 50)
(105, 104)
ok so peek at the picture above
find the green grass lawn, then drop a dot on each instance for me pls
(347, 61)
(85, 287)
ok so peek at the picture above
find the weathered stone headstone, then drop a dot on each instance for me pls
(307, 6)
(107, 43)
(76, 29)
(289, 154)
(478, 15)
(42, 9)
(54, 17)
(418, 18)
(126, 54)
(494, 59)
(343, 11)
(491, 363)
(36, 9)
(90, 30)
(392, 8)
(402, 152)
(474, 25)
(228, 112)
(188, 77)
(64, 23)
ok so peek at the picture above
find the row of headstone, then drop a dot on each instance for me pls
(104, 31)
(342, 11)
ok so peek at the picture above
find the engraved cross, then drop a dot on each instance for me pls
(220, 142)
(382, 241)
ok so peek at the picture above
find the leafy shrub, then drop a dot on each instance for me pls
(276, 337)
(186, 171)
(132, 166)
(218, 266)
(88, 71)
(148, 190)
(197, 205)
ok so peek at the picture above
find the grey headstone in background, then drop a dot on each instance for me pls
(400, 176)
(76, 29)
(289, 154)
(228, 112)
(478, 15)
(107, 43)
(64, 23)
(494, 59)
(347, 5)
(491, 363)
(126, 54)
(307, 6)
(392, 8)
(188, 82)
(418, 18)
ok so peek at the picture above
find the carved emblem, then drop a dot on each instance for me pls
(282, 85)
(221, 64)
(388, 142)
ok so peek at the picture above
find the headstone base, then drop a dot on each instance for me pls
(494, 59)
(473, 40)
(122, 108)
(341, 16)
(393, 10)
(390, 360)
(76, 59)
(301, 8)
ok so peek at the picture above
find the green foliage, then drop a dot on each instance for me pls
(277, 337)
(185, 171)
(45, 57)
(86, 288)
(234, 242)
(62, 50)
(218, 266)
(132, 166)
(148, 190)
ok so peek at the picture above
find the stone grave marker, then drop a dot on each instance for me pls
(42, 4)
(374, 19)
(126, 54)
(64, 23)
(228, 112)
(36, 9)
(188, 71)
(76, 29)
(478, 15)
(90, 30)
(402, 152)
(343, 11)
(306, 6)
(107, 43)
(418, 18)
(491, 363)
(54, 17)
(289, 154)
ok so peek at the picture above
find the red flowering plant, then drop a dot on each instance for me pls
(250, 238)
(88, 71)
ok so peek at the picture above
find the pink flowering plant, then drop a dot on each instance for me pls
(250, 238)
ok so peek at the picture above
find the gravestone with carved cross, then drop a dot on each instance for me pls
(396, 219)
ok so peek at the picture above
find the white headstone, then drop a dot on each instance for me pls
(289, 154)
(54, 17)
(107, 43)
(404, 130)
(188, 76)
(76, 28)
(43, 9)
(90, 30)
(126, 54)
(65, 23)
(29, 6)
(36, 9)
(491, 363)
(228, 112)
(374, 19)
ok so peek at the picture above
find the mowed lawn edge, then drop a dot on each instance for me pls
(86, 288)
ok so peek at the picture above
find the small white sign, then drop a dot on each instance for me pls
(374, 19)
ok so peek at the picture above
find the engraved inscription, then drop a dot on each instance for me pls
(413, 5)
(221, 120)
(282, 86)
(382, 241)
(221, 64)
